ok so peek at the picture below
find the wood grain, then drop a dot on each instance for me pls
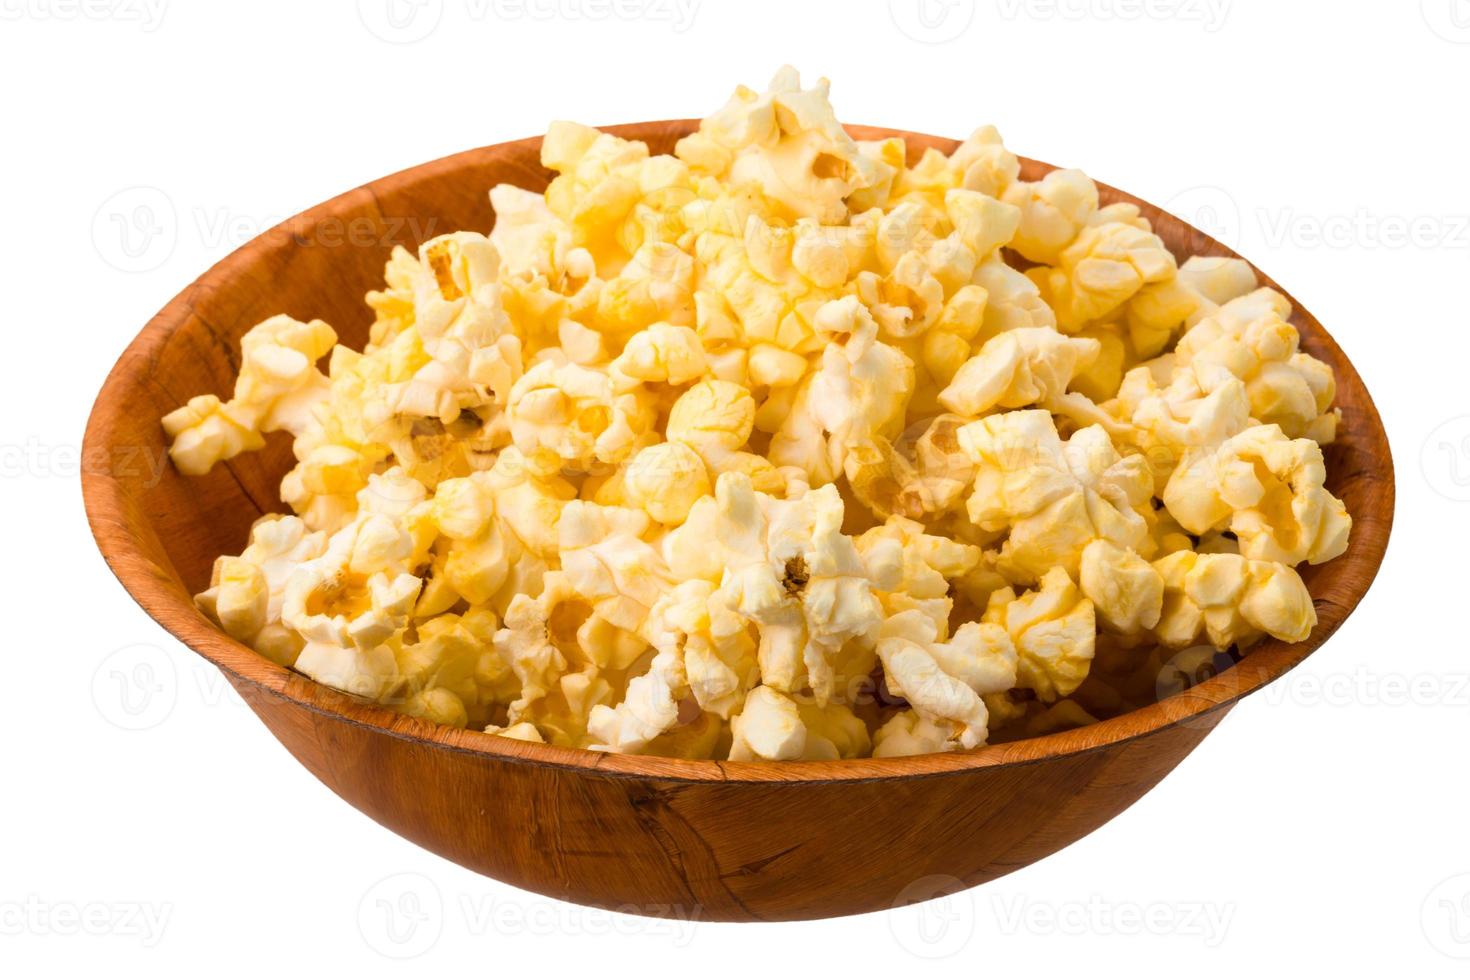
(720, 840)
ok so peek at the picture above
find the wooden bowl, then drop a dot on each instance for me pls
(723, 840)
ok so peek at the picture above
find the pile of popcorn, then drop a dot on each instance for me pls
(778, 448)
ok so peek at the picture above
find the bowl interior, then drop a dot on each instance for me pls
(161, 531)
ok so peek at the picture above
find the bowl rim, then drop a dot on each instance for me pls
(254, 676)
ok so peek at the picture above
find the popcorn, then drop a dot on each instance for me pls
(773, 728)
(573, 413)
(856, 396)
(943, 681)
(1104, 267)
(459, 318)
(787, 141)
(606, 561)
(787, 567)
(1218, 279)
(1026, 366)
(1228, 600)
(1268, 491)
(912, 570)
(769, 728)
(1012, 300)
(1249, 338)
(1054, 497)
(1054, 632)
(666, 480)
(245, 593)
(1126, 592)
(907, 733)
(693, 454)
(1053, 210)
(278, 387)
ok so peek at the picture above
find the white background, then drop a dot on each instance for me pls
(151, 826)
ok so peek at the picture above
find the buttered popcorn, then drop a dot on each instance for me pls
(782, 446)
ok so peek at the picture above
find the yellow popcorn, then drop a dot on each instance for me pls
(856, 395)
(659, 353)
(908, 733)
(278, 387)
(1217, 278)
(612, 194)
(531, 241)
(788, 568)
(1168, 413)
(566, 661)
(912, 570)
(1054, 497)
(604, 558)
(523, 732)
(1229, 600)
(944, 679)
(1054, 631)
(1250, 339)
(575, 414)
(1103, 268)
(1053, 210)
(666, 479)
(1268, 491)
(772, 727)
(786, 140)
(1026, 366)
(779, 447)
(473, 353)
(1126, 591)
(1012, 300)
(245, 593)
